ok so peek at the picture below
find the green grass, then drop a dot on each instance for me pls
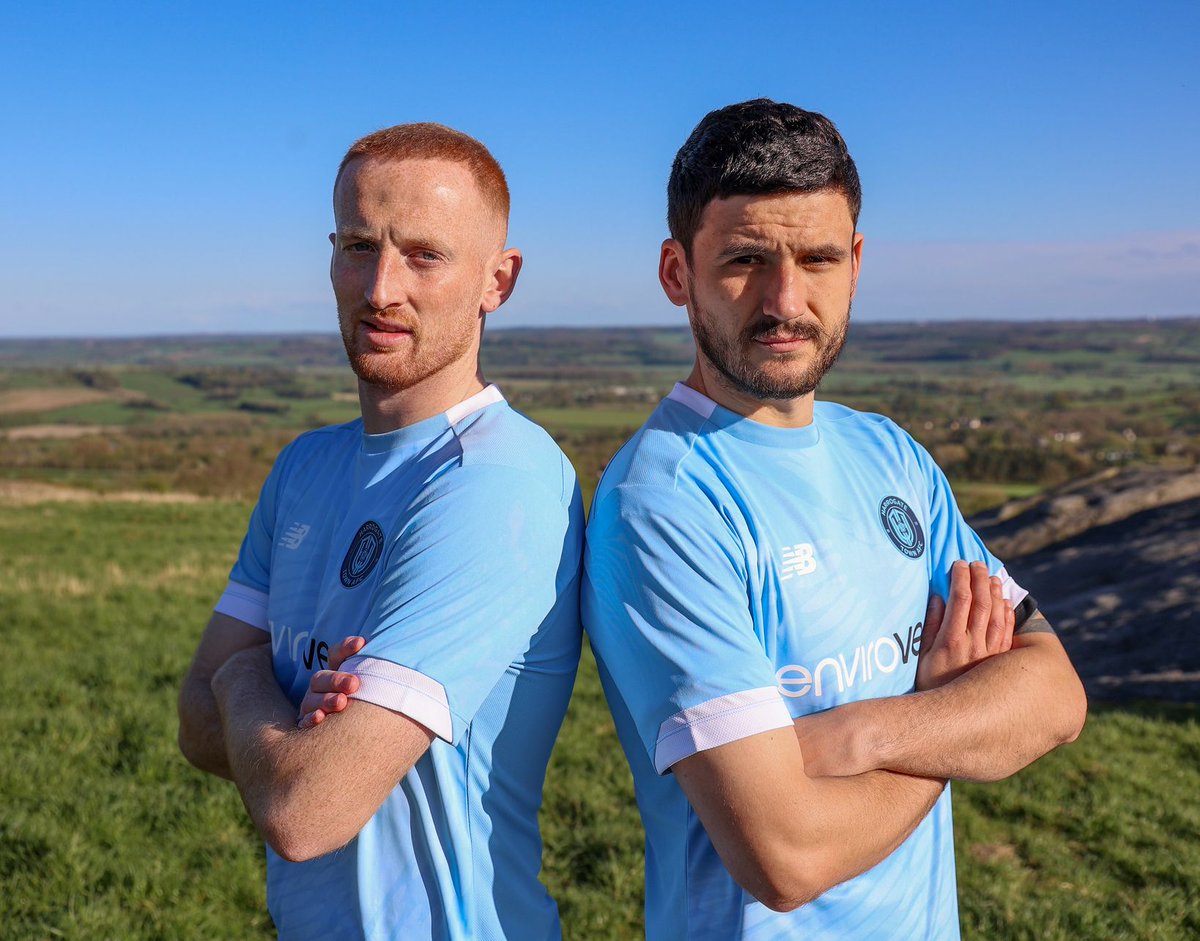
(107, 833)
(1098, 840)
(975, 496)
(559, 420)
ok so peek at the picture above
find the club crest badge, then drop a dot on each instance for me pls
(363, 554)
(902, 526)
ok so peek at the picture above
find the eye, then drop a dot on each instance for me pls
(746, 260)
(358, 248)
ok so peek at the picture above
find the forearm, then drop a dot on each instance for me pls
(268, 756)
(837, 846)
(201, 737)
(308, 791)
(985, 725)
(787, 837)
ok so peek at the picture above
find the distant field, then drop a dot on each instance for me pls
(1005, 408)
(108, 834)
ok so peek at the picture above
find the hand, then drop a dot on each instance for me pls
(977, 623)
(328, 690)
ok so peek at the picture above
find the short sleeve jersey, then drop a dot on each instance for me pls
(739, 576)
(454, 547)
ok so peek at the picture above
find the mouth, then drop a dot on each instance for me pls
(783, 344)
(384, 334)
(786, 338)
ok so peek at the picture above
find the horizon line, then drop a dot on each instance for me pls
(529, 328)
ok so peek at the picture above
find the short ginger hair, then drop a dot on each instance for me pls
(428, 141)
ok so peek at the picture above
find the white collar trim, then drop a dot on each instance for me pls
(489, 395)
(698, 402)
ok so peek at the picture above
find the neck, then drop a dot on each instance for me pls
(779, 413)
(385, 409)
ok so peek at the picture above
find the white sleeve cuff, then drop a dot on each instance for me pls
(245, 604)
(719, 722)
(1012, 591)
(403, 690)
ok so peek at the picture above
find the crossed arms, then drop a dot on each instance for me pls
(785, 811)
(783, 808)
(308, 791)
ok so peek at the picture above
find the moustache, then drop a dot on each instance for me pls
(784, 332)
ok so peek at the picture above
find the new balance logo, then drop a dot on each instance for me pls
(295, 535)
(798, 560)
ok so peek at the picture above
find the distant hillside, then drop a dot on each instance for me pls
(1114, 562)
(1171, 342)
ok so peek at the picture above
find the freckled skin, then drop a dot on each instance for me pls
(413, 272)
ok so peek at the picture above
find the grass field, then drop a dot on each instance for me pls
(107, 834)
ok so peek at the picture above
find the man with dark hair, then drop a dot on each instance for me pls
(762, 571)
(445, 529)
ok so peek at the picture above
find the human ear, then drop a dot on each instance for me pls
(855, 262)
(503, 280)
(673, 272)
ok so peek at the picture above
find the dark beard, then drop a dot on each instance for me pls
(729, 361)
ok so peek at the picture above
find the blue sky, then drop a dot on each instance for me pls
(166, 168)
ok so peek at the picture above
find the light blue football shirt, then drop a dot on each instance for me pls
(739, 576)
(454, 546)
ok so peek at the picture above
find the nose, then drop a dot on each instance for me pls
(386, 285)
(785, 296)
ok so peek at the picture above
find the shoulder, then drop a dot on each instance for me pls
(501, 448)
(318, 440)
(868, 430)
(663, 485)
(311, 451)
(661, 456)
(843, 420)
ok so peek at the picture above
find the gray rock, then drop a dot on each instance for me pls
(1114, 562)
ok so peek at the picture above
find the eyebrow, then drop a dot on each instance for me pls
(828, 250)
(740, 247)
(736, 249)
(354, 233)
(348, 232)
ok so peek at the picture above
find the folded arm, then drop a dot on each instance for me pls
(1003, 712)
(786, 837)
(308, 791)
(200, 735)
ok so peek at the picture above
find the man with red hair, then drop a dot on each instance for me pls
(444, 528)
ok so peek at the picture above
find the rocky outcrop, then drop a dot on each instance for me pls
(1024, 526)
(1114, 562)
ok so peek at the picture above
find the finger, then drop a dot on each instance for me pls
(1010, 625)
(323, 681)
(981, 604)
(345, 650)
(333, 681)
(958, 604)
(996, 617)
(311, 719)
(934, 612)
(328, 702)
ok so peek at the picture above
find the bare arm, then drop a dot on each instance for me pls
(200, 737)
(786, 837)
(984, 724)
(308, 791)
